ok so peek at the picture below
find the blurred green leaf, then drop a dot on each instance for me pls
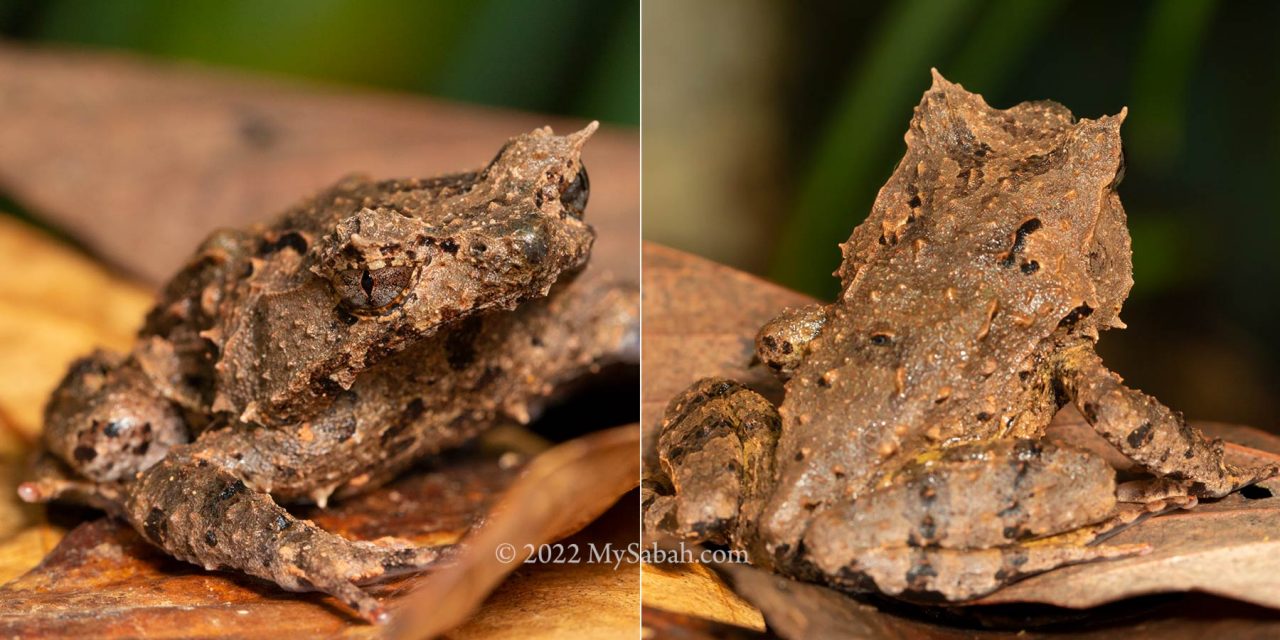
(1161, 75)
(846, 168)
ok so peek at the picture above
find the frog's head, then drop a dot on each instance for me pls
(397, 261)
(436, 250)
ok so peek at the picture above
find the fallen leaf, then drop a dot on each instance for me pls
(62, 307)
(557, 494)
(140, 159)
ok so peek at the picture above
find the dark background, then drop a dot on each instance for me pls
(769, 127)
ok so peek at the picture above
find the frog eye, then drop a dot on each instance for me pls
(574, 197)
(373, 290)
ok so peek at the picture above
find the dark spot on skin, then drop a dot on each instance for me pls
(1019, 241)
(983, 416)
(769, 342)
(344, 316)
(85, 454)
(720, 389)
(449, 246)
(799, 456)
(1090, 411)
(414, 410)
(281, 523)
(459, 347)
(1176, 476)
(230, 491)
(479, 248)
(155, 526)
(210, 539)
(914, 202)
(928, 494)
(1141, 436)
(289, 240)
(112, 429)
(142, 448)
(1191, 453)
(1029, 267)
(538, 199)
(1077, 314)
(1018, 560)
(787, 348)
(1011, 533)
(822, 382)
(918, 574)
(928, 528)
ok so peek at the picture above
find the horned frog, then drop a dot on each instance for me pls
(323, 353)
(908, 454)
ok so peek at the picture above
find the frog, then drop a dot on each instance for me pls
(319, 355)
(908, 456)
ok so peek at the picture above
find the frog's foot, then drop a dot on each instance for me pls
(716, 449)
(53, 481)
(203, 514)
(1149, 433)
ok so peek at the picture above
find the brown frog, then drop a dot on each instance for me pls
(908, 455)
(371, 325)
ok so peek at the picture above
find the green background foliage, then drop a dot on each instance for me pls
(572, 57)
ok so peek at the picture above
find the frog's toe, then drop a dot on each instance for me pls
(388, 557)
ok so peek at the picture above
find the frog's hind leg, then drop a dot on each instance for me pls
(199, 512)
(1149, 433)
(962, 524)
(717, 456)
(930, 574)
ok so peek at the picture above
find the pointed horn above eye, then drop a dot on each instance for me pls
(580, 137)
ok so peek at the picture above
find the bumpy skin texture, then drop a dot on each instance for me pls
(909, 457)
(319, 355)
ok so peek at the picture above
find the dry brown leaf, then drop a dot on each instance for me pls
(693, 589)
(140, 159)
(61, 308)
(557, 494)
(700, 319)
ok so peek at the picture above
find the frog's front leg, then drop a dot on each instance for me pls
(200, 512)
(1149, 433)
(964, 522)
(717, 455)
